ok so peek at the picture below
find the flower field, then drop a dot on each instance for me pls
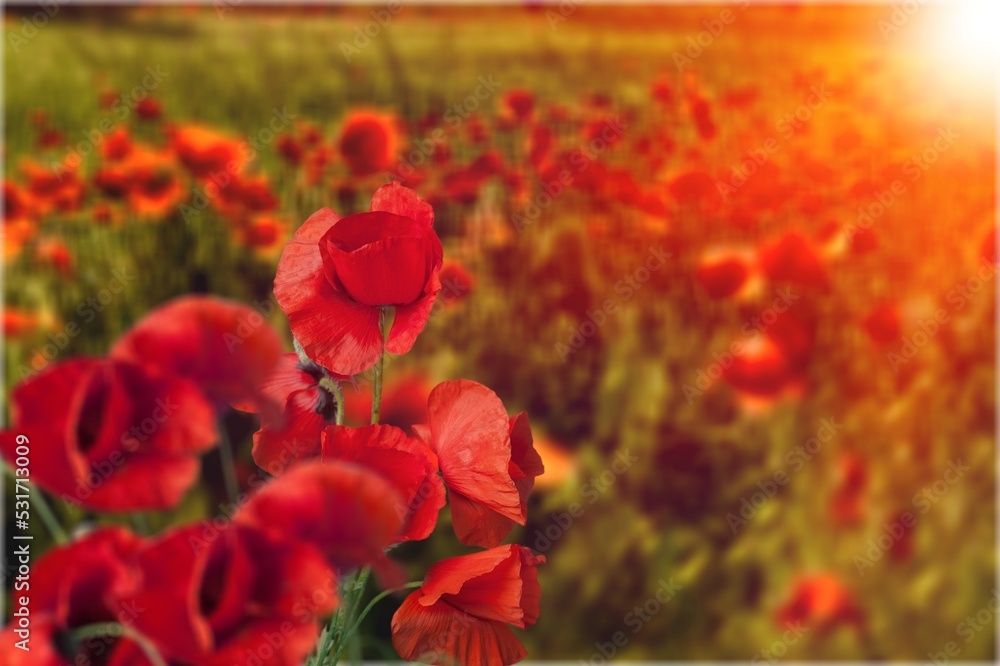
(470, 335)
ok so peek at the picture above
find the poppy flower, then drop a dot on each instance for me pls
(114, 436)
(289, 149)
(346, 511)
(263, 232)
(306, 409)
(91, 580)
(149, 108)
(214, 597)
(368, 142)
(402, 460)
(226, 348)
(792, 258)
(19, 323)
(821, 602)
(336, 276)
(55, 253)
(883, 325)
(662, 90)
(519, 102)
(456, 282)
(116, 145)
(723, 273)
(989, 247)
(487, 460)
(154, 186)
(761, 370)
(847, 506)
(57, 188)
(205, 152)
(461, 612)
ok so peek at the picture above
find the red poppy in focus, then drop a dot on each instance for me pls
(792, 258)
(402, 460)
(205, 153)
(487, 459)
(113, 436)
(214, 597)
(306, 409)
(346, 511)
(459, 614)
(723, 273)
(226, 348)
(149, 108)
(336, 276)
(847, 506)
(821, 602)
(883, 325)
(90, 581)
(368, 142)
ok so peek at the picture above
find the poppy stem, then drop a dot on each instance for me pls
(48, 516)
(116, 630)
(379, 370)
(228, 464)
(371, 604)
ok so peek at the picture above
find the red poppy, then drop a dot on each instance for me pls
(883, 325)
(336, 276)
(306, 409)
(792, 258)
(19, 323)
(206, 153)
(56, 188)
(263, 233)
(456, 282)
(110, 435)
(662, 90)
(520, 103)
(154, 186)
(149, 108)
(487, 459)
(989, 248)
(723, 273)
(820, 602)
(404, 461)
(459, 614)
(226, 348)
(368, 142)
(346, 511)
(218, 598)
(289, 149)
(89, 581)
(847, 506)
(55, 253)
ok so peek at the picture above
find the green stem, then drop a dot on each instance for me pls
(379, 597)
(379, 370)
(114, 629)
(48, 516)
(228, 464)
(351, 620)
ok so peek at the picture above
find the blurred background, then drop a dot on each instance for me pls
(737, 262)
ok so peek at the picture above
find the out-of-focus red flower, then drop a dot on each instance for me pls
(662, 90)
(149, 108)
(107, 98)
(92, 580)
(519, 102)
(820, 602)
(692, 188)
(723, 273)
(989, 249)
(289, 149)
(792, 258)
(116, 145)
(56, 188)
(368, 142)
(112, 436)
(402, 460)
(19, 323)
(540, 142)
(847, 505)
(456, 282)
(104, 213)
(226, 348)
(346, 511)
(214, 597)
(701, 113)
(487, 460)
(306, 409)
(761, 370)
(153, 184)
(883, 325)
(206, 153)
(263, 232)
(460, 613)
(49, 137)
(336, 275)
(55, 253)
(404, 402)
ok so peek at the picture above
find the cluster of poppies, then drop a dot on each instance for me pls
(124, 433)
